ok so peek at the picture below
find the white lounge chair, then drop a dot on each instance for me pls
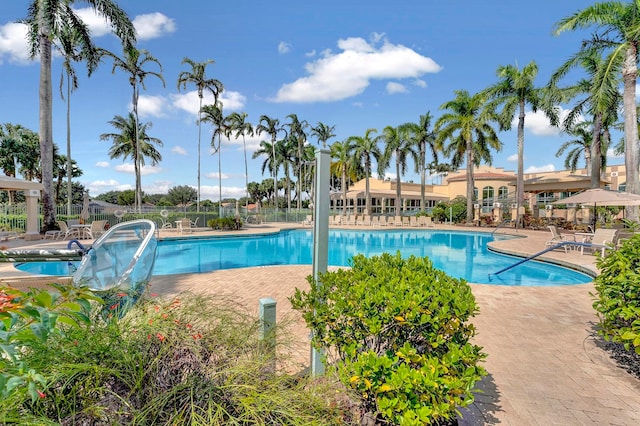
(602, 240)
(96, 229)
(557, 238)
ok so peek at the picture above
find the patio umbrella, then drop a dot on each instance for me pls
(84, 215)
(601, 197)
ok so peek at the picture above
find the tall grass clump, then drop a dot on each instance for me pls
(400, 334)
(191, 360)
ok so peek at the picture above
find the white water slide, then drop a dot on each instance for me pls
(120, 262)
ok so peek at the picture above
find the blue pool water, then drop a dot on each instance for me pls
(460, 254)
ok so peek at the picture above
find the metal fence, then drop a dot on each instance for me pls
(14, 216)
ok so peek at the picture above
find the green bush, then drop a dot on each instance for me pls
(618, 294)
(225, 223)
(456, 207)
(399, 329)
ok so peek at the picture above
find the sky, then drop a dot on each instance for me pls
(350, 64)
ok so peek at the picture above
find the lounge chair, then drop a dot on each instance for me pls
(8, 235)
(96, 229)
(557, 238)
(66, 232)
(337, 221)
(193, 224)
(602, 239)
(405, 220)
(397, 221)
(382, 221)
(375, 221)
(308, 220)
(184, 225)
(413, 221)
(351, 219)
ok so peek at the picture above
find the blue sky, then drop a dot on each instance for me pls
(352, 64)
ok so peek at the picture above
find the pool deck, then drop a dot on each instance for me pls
(544, 362)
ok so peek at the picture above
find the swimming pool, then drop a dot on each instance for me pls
(460, 254)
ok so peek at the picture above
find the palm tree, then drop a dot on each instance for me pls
(364, 148)
(296, 130)
(323, 133)
(44, 22)
(236, 122)
(580, 147)
(132, 63)
(424, 138)
(272, 127)
(598, 96)
(72, 50)
(268, 149)
(467, 126)
(342, 165)
(213, 114)
(198, 77)
(287, 155)
(124, 142)
(513, 91)
(619, 26)
(398, 143)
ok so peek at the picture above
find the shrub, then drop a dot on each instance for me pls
(399, 330)
(618, 294)
(192, 360)
(457, 208)
(225, 223)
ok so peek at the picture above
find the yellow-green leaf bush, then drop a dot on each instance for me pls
(618, 294)
(400, 329)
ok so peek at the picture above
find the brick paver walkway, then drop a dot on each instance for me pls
(545, 366)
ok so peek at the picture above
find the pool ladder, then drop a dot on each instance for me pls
(533, 256)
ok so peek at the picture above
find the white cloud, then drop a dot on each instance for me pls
(310, 54)
(152, 106)
(13, 43)
(102, 164)
(214, 176)
(540, 169)
(157, 187)
(101, 186)
(97, 24)
(129, 168)
(393, 87)
(213, 192)
(420, 83)
(189, 102)
(348, 73)
(512, 158)
(611, 154)
(153, 25)
(284, 47)
(538, 124)
(179, 150)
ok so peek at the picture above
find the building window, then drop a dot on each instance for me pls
(475, 192)
(503, 193)
(622, 187)
(487, 196)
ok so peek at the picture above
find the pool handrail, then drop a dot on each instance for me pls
(533, 256)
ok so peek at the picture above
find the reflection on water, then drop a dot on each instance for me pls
(460, 254)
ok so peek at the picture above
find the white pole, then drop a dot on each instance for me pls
(320, 235)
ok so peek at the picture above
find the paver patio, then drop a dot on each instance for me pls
(545, 366)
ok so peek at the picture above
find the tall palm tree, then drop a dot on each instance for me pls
(364, 149)
(124, 143)
(597, 96)
(213, 114)
(287, 155)
(618, 24)
(580, 147)
(323, 133)
(132, 63)
(513, 91)
(198, 77)
(399, 144)
(296, 130)
(72, 50)
(342, 165)
(272, 127)
(43, 21)
(237, 122)
(424, 137)
(467, 127)
(267, 149)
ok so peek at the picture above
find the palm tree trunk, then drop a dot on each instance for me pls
(69, 168)
(596, 158)
(398, 185)
(366, 186)
(470, 182)
(46, 124)
(275, 178)
(520, 177)
(136, 153)
(423, 155)
(219, 175)
(246, 172)
(632, 150)
(199, 137)
(344, 190)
